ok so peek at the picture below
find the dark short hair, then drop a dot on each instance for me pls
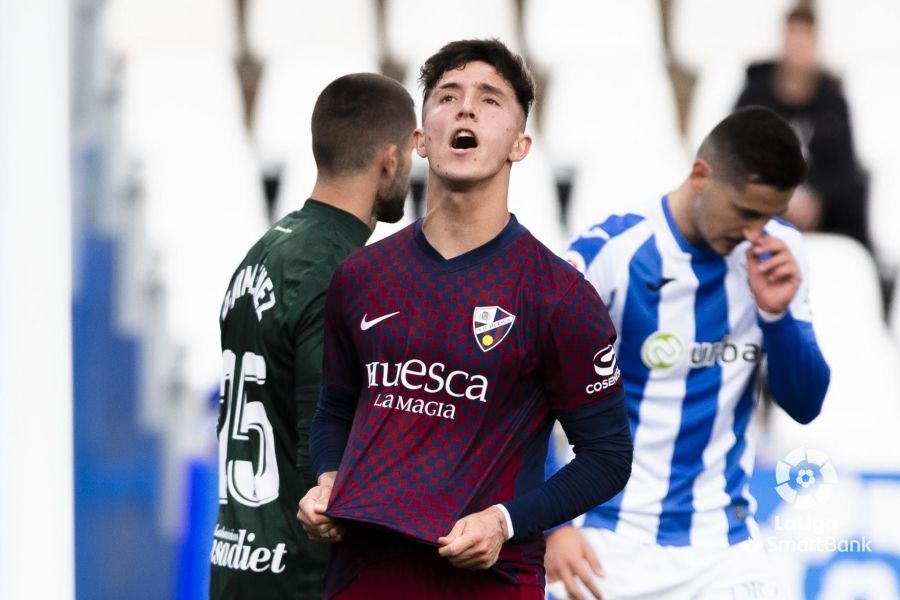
(354, 116)
(457, 54)
(754, 145)
(801, 14)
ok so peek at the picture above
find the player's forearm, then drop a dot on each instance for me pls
(798, 373)
(599, 471)
(328, 433)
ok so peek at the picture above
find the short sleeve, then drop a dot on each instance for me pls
(578, 351)
(583, 254)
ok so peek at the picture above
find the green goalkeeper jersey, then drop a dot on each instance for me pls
(271, 322)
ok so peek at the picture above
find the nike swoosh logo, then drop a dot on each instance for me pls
(367, 324)
(658, 286)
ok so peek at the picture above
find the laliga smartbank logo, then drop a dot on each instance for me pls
(805, 478)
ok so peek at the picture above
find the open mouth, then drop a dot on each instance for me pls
(464, 139)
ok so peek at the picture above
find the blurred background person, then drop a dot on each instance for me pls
(834, 196)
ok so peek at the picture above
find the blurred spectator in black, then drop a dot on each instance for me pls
(796, 86)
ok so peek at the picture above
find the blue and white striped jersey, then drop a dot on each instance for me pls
(690, 344)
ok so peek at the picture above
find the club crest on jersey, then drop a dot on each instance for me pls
(491, 324)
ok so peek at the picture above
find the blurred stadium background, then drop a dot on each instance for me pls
(188, 134)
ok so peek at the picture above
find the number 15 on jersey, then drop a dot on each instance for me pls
(246, 431)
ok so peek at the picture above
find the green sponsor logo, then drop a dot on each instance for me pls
(662, 350)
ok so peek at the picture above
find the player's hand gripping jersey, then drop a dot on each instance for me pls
(452, 373)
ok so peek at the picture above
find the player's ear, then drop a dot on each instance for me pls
(701, 175)
(419, 142)
(520, 147)
(390, 159)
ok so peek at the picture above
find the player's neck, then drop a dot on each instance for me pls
(680, 207)
(354, 194)
(457, 222)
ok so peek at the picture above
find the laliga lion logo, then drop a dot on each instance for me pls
(805, 478)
